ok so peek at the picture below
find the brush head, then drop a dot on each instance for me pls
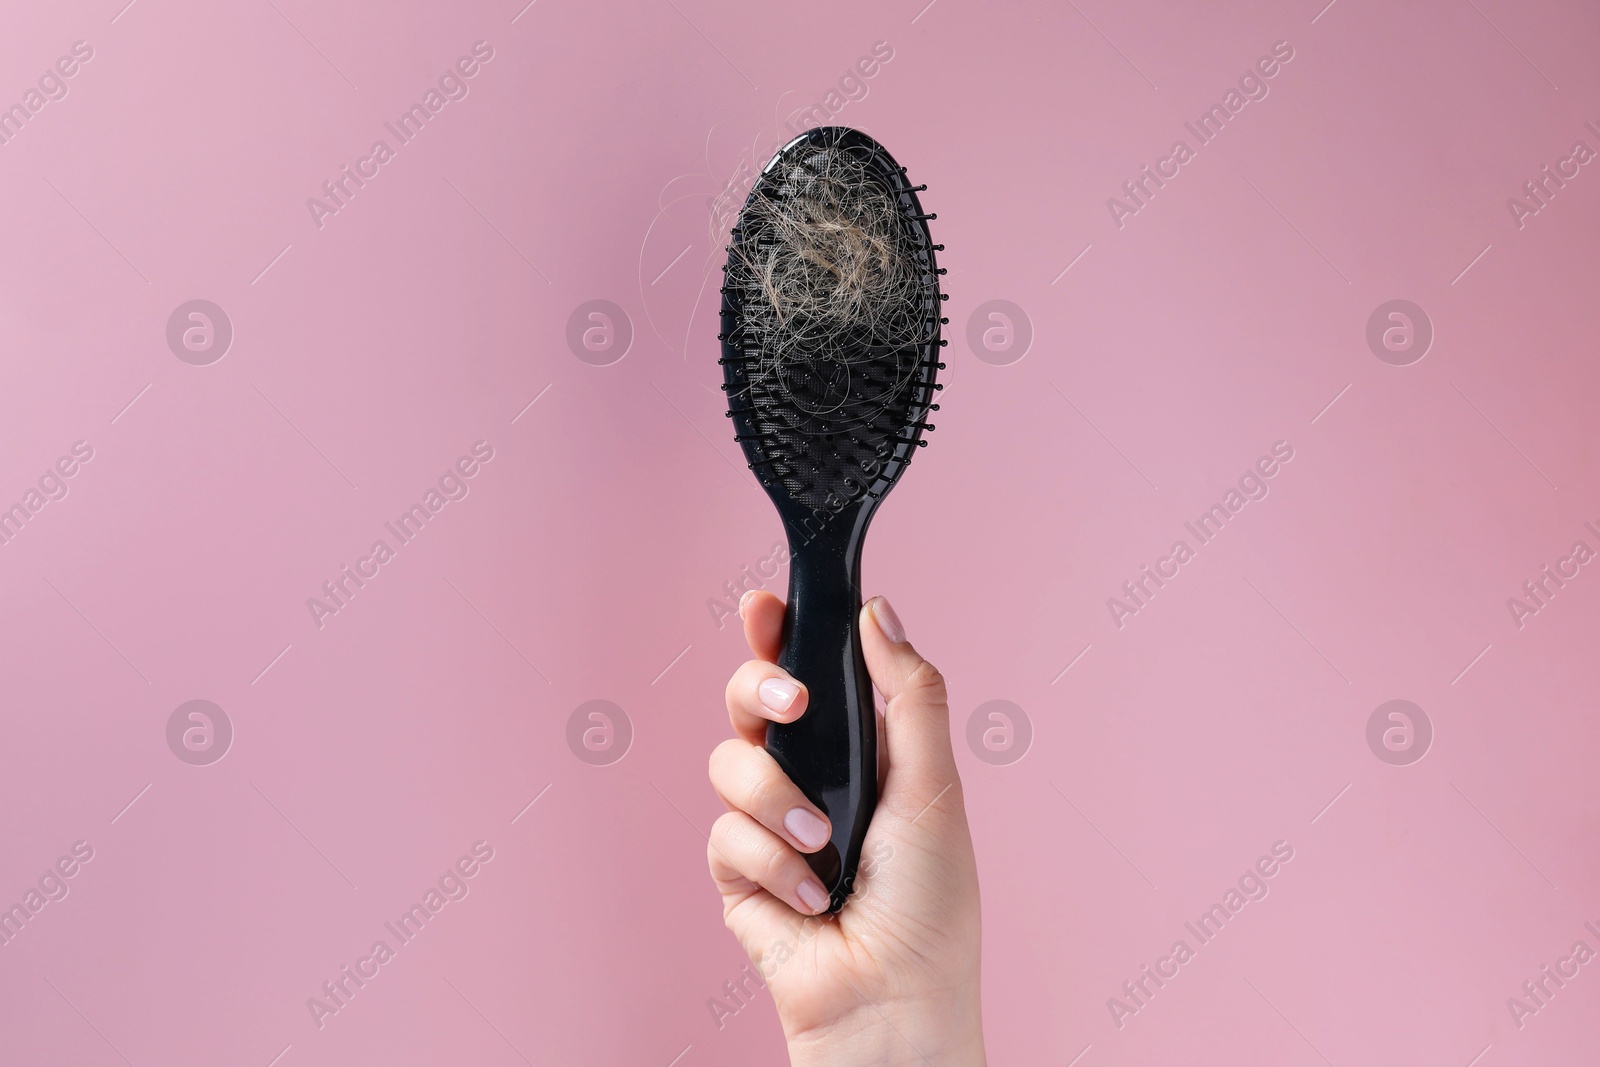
(830, 323)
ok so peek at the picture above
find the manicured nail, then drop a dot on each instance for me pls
(776, 694)
(888, 621)
(812, 895)
(807, 829)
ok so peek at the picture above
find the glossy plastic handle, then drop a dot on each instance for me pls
(831, 751)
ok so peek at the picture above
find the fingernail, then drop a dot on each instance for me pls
(812, 895)
(748, 593)
(807, 829)
(777, 694)
(888, 621)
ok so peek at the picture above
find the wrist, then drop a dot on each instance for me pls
(913, 1035)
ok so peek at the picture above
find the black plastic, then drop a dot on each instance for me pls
(831, 752)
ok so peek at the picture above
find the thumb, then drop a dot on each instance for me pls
(916, 710)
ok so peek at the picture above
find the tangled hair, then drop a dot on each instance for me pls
(834, 264)
(830, 320)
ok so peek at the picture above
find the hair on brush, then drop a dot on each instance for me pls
(831, 316)
(834, 302)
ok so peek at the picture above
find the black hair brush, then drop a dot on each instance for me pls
(831, 312)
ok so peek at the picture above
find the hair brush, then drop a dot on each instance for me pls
(831, 312)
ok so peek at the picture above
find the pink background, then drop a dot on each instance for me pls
(370, 353)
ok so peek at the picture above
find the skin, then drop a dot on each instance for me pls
(893, 978)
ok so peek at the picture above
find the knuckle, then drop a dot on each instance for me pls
(773, 861)
(759, 793)
(926, 680)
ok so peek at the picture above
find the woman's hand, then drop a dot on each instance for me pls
(893, 977)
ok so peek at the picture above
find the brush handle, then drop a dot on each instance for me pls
(831, 751)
